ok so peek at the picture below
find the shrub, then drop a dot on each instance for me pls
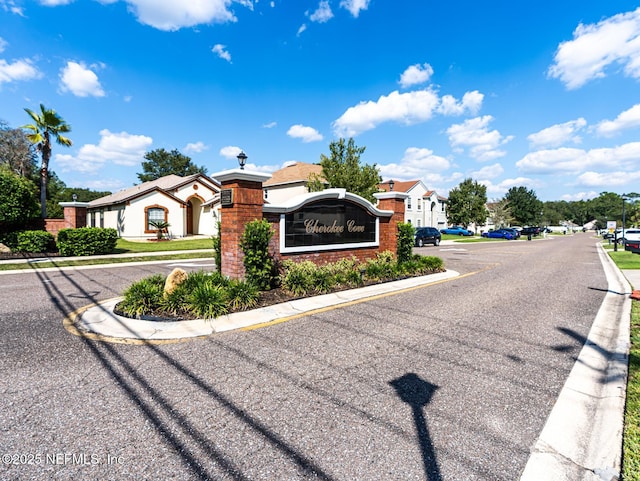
(406, 234)
(323, 279)
(217, 248)
(87, 241)
(347, 272)
(143, 297)
(242, 295)
(258, 263)
(298, 277)
(208, 301)
(35, 241)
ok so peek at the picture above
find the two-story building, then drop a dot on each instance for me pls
(423, 207)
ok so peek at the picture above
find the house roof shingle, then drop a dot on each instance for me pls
(298, 172)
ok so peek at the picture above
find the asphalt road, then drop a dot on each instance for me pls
(449, 382)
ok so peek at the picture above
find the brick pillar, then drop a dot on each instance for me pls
(243, 205)
(75, 214)
(394, 202)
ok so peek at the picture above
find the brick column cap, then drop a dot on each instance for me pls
(74, 204)
(241, 174)
(391, 195)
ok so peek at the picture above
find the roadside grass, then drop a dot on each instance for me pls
(36, 264)
(126, 247)
(631, 438)
(631, 435)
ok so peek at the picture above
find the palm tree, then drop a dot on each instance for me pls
(46, 124)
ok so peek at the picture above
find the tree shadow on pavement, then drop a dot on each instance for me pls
(191, 444)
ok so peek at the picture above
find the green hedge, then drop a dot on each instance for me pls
(35, 241)
(87, 241)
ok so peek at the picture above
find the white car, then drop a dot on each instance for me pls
(629, 235)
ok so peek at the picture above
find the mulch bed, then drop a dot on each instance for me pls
(27, 255)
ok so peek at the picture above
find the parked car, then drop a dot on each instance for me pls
(499, 234)
(515, 232)
(427, 235)
(530, 230)
(456, 230)
(629, 235)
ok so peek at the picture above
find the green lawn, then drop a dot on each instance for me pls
(125, 246)
(631, 437)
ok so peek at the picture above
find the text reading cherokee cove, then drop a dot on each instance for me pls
(313, 226)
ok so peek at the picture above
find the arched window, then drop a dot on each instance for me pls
(154, 213)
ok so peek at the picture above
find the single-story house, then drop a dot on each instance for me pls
(289, 182)
(189, 204)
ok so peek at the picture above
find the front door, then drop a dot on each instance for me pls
(189, 218)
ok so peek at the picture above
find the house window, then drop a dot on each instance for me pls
(153, 214)
(419, 204)
(408, 203)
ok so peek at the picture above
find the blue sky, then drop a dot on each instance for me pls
(544, 95)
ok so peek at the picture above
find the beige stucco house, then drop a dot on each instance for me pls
(289, 182)
(189, 204)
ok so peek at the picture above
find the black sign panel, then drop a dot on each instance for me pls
(329, 222)
(226, 197)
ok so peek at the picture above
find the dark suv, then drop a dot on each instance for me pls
(535, 231)
(427, 235)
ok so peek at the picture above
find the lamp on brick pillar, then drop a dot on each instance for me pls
(241, 201)
(393, 202)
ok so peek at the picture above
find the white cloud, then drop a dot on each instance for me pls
(475, 135)
(307, 134)
(80, 81)
(302, 28)
(18, 70)
(270, 125)
(501, 188)
(609, 179)
(416, 74)
(471, 103)
(120, 149)
(55, 3)
(488, 172)
(355, 6)
(407, 108)
(220, 51)
(611, 42)
(323, 13)
(558, 134)
(195, 147)
(3, 44)
(170, 15)
(230, 152)
(574, 161)
(10, 6)
(626, 120)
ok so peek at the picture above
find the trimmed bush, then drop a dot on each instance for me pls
(406, 234)
(298, 277)
(35, 241)
(258, 263)
(242, 295)
(87, 241)
(208, 301)
(217, 248)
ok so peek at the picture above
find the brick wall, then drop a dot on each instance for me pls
(248, 206)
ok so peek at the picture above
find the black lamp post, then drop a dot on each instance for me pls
(242, 159)
(391, 184)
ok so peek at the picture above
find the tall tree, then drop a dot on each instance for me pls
(160, 163)
(500, 213)
(16, 152)
(47, 126)
(467, 203)
(18, 202)
(342, 169)
(525, 206)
